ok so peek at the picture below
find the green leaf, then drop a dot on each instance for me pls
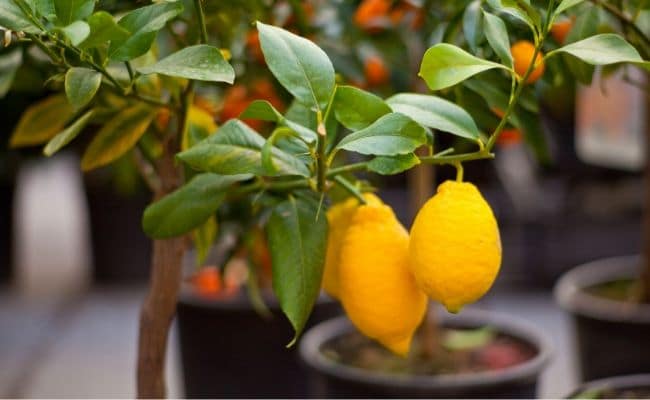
(200, 62)
(565, 5)
(45, 8)
(467, 339)
(357, 109)
(393, 165)
(67, 135)
(263, 110)
(76, 32)
(267, 149)
(9, 64)
(518, 10)
(69, 11)
(81, 84)
(103, 29)
(236, 149)
(203, 238)
(118, 136)
(40, 122)
(445, 65)
(497, 35)
(473, 24)
(390, 135)
(298, 64)
(603, 49)
(297, 235)
(143, 24)
(436, 113)
(189, 206)
(12, 17)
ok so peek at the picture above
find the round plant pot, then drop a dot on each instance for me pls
(611, 336)
(619, 387)
(6, 228)
(121, 251)
(332, 379)
(229, 350)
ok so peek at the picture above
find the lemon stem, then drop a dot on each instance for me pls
(459, 171)
(349, 187)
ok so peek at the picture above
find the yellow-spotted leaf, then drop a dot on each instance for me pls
(42, 121)
(117, 137)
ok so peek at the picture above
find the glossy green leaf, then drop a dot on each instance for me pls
(103, 29)
(69, 11)
(357, 109)
(385, 165)
(497, 35)
(117, 136)
(40, 122)
(81, 84)
(203, 238)
(45, 8)
(68, 134)
(565, 5)
(391, 134)
(200, 62)
(9, 64)
(603, 49)
(436, 113)
(445, 65)
(236, 149)
(189, 206)
(263, 110)
(298, 64)
(12, 17)
(76, 32)
(143, 25)
(297, 235)
(473, 24)
(267, 149)
(519, 10)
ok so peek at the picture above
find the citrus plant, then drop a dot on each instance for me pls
(111, 75)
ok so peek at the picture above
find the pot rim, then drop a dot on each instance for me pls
(615, 382)
(312, 340)
(569, 293)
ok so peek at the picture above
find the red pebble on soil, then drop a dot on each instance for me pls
(501, 355)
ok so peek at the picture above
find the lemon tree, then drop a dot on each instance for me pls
(111, 75)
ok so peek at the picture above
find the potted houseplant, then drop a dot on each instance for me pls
(619, 387)
(113, 80)
(608, 298)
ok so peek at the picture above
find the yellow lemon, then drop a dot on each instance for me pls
(338, 218)
(376, 288)
(455, 247)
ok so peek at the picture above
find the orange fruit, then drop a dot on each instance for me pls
(162, 119)
(253, 46)
(561, 29)
(369, 11)
(522, 54)
(376, 71)
(509, 137)
(238, 97)
(207, 282)
(407, 11)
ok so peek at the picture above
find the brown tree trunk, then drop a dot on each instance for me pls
(160, 304)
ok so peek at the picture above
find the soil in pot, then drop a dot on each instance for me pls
(478, 357)
(621, 387)
(229, 350)
(612, 328)
(463, 351)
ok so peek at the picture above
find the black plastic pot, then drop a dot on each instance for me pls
(612, 337)
(228, 350)
(6, 228)
(121, 251)
(331, 379)
(618, 385)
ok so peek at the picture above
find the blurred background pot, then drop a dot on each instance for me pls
(620, 387)
(229, 350)
(332, 379)
(611, 335)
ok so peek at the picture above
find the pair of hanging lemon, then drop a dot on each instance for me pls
(382, 274)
